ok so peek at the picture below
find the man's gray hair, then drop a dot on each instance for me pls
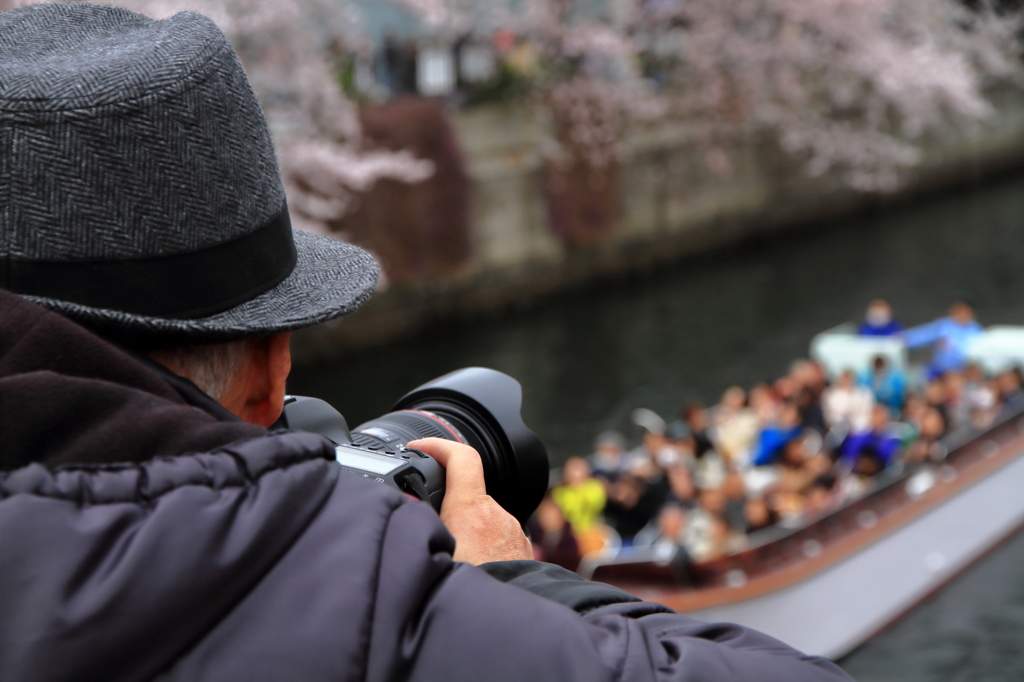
(209, 366)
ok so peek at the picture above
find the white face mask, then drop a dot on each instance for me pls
(668, 456)
(879, 316)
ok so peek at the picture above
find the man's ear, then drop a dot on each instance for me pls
(259, 397)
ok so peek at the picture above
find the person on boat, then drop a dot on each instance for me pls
(658, 449)
(775, 436)
(634, 497)
(735, 427)
(847, 405)
(931, 427)
(887, 383)
(878, 321)
(704, 538)
(682, 491)
(680, 446)
(937, 395)
(799, 465)
(803, 386)
(633, 501)
(609, 458)
(810, 375)
(552, 537)
(696, 417)
(959, 408)
(869, 452)
(735, 491)
(979, 397)
(950, 336)
(669, 546)
(581, 497)
(823, 495)
(758, 514)
(812, 415)
(151, 526)
(765, 403)
(913, 410)
(797, 475)
(1011, 393)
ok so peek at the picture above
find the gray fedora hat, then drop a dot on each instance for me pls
(139, 190)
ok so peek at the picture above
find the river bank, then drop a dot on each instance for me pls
(670, 209)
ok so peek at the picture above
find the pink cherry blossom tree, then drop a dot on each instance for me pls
(850, 86)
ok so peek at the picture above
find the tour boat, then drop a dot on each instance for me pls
(829, 585)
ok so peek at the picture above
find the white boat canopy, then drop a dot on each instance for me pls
(840, 349)
(996, 349)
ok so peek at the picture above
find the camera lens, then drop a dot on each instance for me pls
(481, 408)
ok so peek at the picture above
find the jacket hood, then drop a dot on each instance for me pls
(68, 396)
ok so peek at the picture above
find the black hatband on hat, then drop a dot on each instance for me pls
(179, 286)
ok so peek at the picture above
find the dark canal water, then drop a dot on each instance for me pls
(971, 631)
(686, 332)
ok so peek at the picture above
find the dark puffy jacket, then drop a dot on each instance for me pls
(260, 559)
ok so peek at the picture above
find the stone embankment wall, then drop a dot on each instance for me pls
(671, 207)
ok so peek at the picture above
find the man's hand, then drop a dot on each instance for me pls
(483, 530)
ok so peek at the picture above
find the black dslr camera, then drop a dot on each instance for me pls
(476, 406)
